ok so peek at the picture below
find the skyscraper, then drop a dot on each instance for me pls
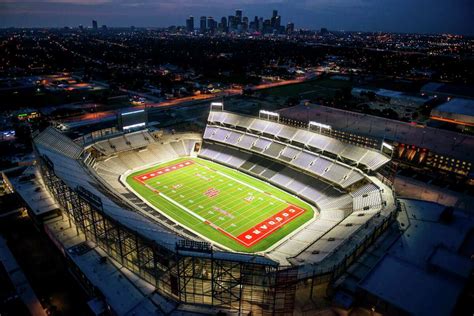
(232, 23)
(245, 23)
(202, 25)
(274, 18)
(94, 25)
(238, 15)
(267, 26)
(211, 25)
(224, 25)
(277, 22)
(256, 23)
(190, 24)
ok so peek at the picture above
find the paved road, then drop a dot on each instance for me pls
(179, 101)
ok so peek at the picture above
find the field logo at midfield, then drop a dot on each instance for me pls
(249, 198)
(162, 171)
(268, 226)
(211, 192)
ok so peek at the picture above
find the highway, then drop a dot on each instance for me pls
(101, 115)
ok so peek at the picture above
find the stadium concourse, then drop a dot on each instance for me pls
(333, 184)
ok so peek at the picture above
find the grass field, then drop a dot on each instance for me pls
(226, 206)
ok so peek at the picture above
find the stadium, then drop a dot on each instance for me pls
(254, 215)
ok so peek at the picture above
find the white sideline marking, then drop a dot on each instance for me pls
(183, 207)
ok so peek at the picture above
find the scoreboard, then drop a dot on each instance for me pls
(132, 120)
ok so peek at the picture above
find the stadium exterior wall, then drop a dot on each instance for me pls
(197, 274)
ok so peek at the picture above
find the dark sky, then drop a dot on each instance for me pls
(419, 16)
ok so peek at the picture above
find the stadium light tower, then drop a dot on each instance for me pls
(217, 106)
(269, 115)
(387, 148)
(320, 125)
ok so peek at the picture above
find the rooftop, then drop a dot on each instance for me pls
(430, 269)
(461, 110)
(31, 188)
(392, 94)
(453, 90)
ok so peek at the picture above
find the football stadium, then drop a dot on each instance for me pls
(251, 216)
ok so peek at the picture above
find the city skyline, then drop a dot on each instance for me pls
(240, 23)
(364, 15)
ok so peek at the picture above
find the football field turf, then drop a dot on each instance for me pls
(224, 205)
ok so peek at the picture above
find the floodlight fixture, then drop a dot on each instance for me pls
(274, 114)
(217, 106)
(134, 126)
(133, 112)
(388, 146)
(320, 125)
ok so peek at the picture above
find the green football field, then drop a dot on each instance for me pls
(221, 204)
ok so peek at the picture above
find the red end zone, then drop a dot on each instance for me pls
(265, 228)
(163, 170)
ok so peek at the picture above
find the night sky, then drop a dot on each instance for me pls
(417, 16)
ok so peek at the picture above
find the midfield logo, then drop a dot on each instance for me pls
(211, 192)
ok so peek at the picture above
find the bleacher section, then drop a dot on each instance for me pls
(112, 168)
(317, 142)
(123, 143)
(330, 170)
(304, 185)
(64, 156)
